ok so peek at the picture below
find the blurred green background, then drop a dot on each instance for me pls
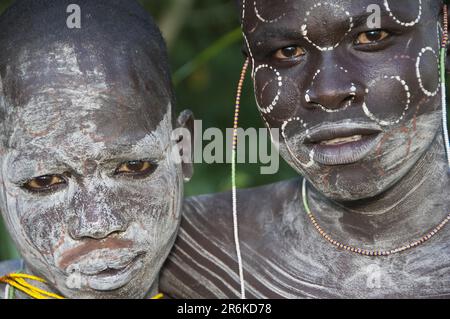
(204, 44)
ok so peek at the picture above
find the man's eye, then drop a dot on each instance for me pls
(44, 183)
(136, 168)
(372, 36)
(290, 52)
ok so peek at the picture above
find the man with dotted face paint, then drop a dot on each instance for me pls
(90, 188)
(360, 117)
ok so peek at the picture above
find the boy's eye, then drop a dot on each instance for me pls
(135, 168)
(372, 36)
(290, 52)
(44, 183)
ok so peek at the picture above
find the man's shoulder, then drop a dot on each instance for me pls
(267, 198)
(203, 261)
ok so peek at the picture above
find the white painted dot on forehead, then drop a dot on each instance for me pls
(419, 76)
(402, 23)
(303, 124)
(279, 84)
(382, 122)
(262, 19)
(304, 27)
(352, 90)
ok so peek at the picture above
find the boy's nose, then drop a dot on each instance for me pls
(96, 225)
(96, 216)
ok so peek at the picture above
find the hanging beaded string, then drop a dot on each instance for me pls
(443, 56)
(233, 176)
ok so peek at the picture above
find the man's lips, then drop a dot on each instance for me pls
(344, 133)
(341, 144)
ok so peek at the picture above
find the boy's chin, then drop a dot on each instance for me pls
(132, 290)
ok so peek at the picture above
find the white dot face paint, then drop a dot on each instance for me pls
(264, 19)
(404, 23)
(310, 12)
(407, 99)
(338, 79)
(275, 83)
(419, 62)
(288, 142)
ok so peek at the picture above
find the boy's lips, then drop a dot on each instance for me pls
(107, 269)
(340, 144)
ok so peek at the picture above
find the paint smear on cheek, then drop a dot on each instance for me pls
(44, 221)
(406, 143)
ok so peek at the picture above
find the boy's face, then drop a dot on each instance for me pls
(357, 103)
(89, 190)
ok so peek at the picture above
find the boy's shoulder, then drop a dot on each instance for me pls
(10, 266)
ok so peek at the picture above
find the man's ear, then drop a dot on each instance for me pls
(185, 141)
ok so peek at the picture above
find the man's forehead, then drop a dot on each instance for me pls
(270, 14)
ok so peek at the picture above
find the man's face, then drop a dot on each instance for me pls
(90, 192)
(357, 103)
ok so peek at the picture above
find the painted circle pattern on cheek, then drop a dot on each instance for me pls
(402, 23)
(304, 125)
(288, 103)
(380, 121)
(419, 75)
(278, 83)
(263, 19)
(333, 6)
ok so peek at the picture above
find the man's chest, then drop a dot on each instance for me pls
(321, 272)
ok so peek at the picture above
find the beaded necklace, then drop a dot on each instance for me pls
(18, 281)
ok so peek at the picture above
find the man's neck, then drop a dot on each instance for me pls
(412, 207)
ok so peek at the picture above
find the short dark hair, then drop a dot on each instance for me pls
(112, 28)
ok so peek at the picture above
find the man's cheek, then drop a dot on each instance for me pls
(277, 94)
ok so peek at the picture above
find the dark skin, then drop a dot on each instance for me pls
(359, 112)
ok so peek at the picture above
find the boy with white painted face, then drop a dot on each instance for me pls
(359, 109)
(90, 189)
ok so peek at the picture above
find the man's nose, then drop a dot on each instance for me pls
(331, 90)
(96, 217)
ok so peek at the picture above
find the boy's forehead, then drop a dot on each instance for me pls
(74, 141)
(55, 86)
(57, 101)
